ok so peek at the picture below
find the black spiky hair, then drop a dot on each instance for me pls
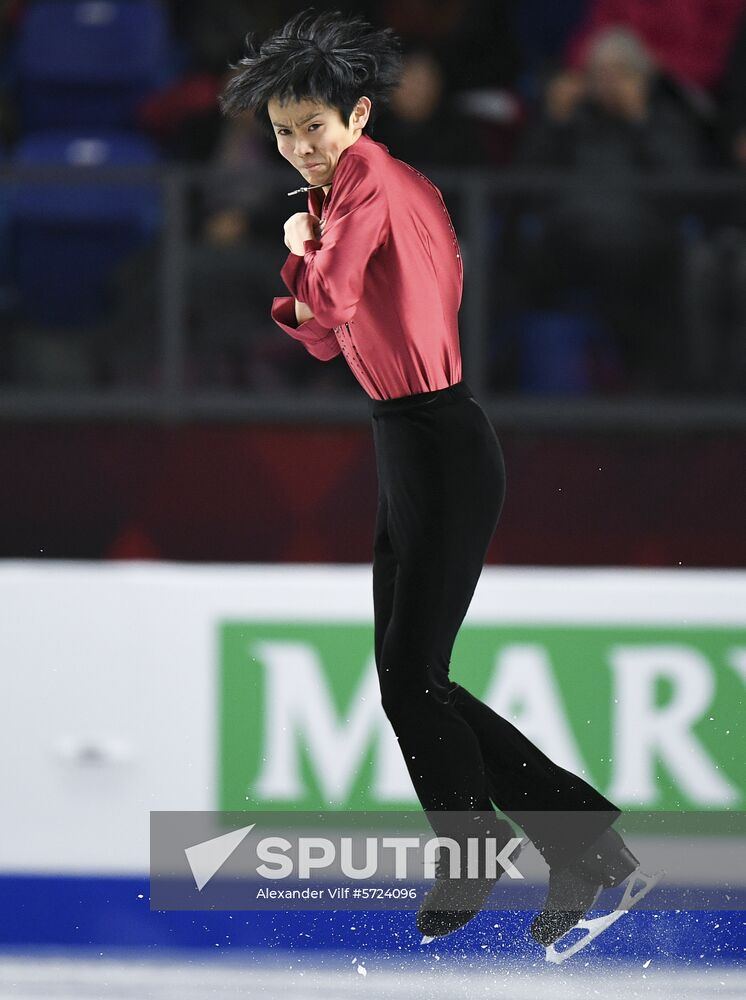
(330, 57)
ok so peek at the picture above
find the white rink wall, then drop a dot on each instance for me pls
(111, 685)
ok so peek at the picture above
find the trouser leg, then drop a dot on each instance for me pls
(384, 577)
(442, 489)
(424, 573)
(560, 812)
(439, 747)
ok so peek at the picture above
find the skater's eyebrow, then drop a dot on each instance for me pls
(301, 122)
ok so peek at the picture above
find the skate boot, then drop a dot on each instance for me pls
(452, 902)
(575, 888)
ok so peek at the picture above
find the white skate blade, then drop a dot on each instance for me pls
(426, 939)
(597, 925)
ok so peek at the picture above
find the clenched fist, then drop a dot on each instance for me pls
(301, 227)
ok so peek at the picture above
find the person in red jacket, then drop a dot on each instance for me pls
(374, 271)
(689, 39)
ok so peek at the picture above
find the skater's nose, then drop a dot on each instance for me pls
(303, 146)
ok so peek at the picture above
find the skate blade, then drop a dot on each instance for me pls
(597, 925)
(426, 939)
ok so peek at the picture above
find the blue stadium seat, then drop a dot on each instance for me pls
(556, 350)
(88, 63)
(67, 239)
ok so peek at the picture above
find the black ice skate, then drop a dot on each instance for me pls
(452, 902)
(575, 888)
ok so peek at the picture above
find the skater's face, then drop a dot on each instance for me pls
(312, 135)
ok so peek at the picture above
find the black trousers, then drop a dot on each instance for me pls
(441, 487)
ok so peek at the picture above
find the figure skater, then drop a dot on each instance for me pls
(374, 271)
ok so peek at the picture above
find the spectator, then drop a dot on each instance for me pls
(473, 45)
(420, 124)
(235, 267)
(235, 252)
(689, 39)
(603, 123)
(472, 39)
(183, 117)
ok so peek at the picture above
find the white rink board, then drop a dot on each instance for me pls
(117, 662)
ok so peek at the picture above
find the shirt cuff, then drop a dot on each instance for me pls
(283, 313)
(307, 246)
(316, 338)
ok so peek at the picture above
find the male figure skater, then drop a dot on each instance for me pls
(374, 271)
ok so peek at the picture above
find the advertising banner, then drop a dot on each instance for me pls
(131, 688)
(649, 715)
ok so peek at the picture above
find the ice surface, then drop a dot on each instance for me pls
(192, 976)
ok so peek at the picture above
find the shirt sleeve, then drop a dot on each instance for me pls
(316, 339)
(329, 276)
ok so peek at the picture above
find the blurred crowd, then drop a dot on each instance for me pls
(601, 287)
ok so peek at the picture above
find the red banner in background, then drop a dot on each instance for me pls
(308, 494)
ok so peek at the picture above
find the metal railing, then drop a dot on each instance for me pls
(477, 192)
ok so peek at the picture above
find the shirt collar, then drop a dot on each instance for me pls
(363, 144)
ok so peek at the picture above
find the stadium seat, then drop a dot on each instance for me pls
(68, 238)
(556, 350)
(88, 63)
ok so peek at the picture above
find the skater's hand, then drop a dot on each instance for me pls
(302, 312)
(301, 227)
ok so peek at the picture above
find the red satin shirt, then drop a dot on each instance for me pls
(384, 283)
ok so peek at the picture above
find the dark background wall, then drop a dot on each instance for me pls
(296, 494)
